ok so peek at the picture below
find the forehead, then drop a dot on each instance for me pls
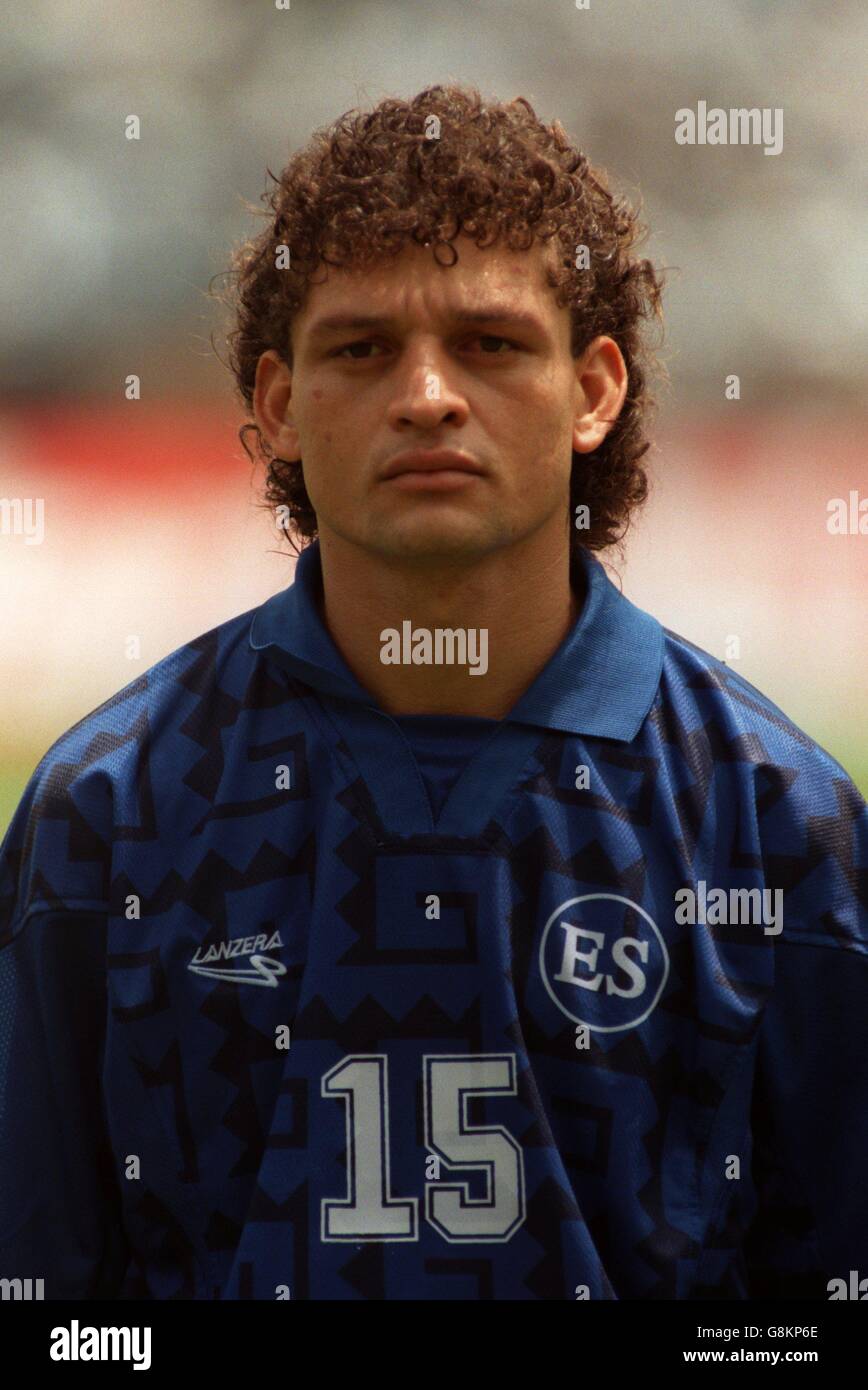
(481, 280)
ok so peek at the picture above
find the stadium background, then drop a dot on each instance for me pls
(152, 528)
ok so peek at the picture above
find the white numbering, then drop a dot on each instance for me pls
(449, 1084)
(370, 1212)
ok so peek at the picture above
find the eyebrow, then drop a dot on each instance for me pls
(491, 313)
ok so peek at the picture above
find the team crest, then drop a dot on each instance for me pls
(603, 962)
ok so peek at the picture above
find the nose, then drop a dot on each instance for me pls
(425, 394)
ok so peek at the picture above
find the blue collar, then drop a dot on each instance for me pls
(600, 682)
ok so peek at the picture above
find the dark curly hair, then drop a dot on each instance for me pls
(373, 181)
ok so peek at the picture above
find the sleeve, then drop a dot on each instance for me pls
(60, 1210)
(810, 1100)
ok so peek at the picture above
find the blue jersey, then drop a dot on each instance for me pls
(573, 1007)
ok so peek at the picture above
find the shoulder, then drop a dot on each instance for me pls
(727, 742)
(701, 693)
(105, 775)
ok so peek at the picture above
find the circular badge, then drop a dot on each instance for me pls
(603, 961)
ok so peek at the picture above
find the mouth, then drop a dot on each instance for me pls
(434, 470)
(434, 480)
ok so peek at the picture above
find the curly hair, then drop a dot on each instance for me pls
(444, 163)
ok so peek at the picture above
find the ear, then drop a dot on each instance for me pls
(272, 405)
(601, 376)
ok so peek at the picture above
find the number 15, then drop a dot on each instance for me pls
(369, 1211)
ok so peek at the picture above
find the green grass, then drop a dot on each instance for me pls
(14, 776)
(852, 753)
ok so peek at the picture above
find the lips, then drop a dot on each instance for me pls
(430, 461)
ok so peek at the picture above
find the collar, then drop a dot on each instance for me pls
(600, 682)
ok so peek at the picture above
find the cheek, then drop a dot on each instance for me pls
(320, 414)
(547, 478)
(316, 421)
(548, 455)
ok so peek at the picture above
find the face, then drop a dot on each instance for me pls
(473, 357)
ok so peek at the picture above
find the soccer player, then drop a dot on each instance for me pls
(444, 928)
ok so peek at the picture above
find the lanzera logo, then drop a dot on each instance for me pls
(262, 969)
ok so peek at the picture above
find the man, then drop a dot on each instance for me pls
(443, 928)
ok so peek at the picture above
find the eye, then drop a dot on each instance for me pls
(357, 354)
(494, 338)
(361, 343)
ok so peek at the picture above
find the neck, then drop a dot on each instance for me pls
(508, 613)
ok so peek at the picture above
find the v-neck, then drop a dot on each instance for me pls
(395, 783)
(600, 682)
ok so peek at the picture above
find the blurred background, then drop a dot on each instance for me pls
(152, 532)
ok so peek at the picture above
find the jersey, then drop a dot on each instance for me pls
(577, 1013)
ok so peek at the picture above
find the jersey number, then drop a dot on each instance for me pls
(370, 1211)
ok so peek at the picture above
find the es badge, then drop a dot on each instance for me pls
(603, 961)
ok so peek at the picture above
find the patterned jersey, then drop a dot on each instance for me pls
(591, 1024)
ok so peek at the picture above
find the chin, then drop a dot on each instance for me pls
(436, 543)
